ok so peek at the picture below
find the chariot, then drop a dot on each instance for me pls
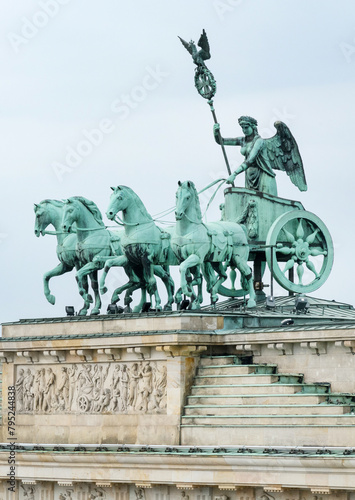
(283, 235)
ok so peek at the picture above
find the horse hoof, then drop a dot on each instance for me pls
(214, 299)
(251, 303)
(82, 312)
(95, 312)
(103, 290)
(51, 299)
(167, 307)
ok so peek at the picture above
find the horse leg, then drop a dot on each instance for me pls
(148, 273)
(109, 262)
(222, 276)
(95, 287)
(130, 286)
(169, 285)
(83, 289)
(209, 276)
(178, 296)
(80, 275)
(57, 271)
(139, 306)
(197, 280)
(192, 261)
(242, 266)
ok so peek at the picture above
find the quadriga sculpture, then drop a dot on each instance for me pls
(145, 245)
(50, 212)
(208, 246)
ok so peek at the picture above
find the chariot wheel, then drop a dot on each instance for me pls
(299, 241)
(83, 403)
(205, 83)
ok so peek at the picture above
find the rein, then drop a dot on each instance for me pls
(120, 222)
(54, 233)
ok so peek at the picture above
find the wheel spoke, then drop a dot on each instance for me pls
(300, 231)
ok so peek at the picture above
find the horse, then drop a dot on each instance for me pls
(51, 212)
(211, 246)
(95, 244)
(145, 245)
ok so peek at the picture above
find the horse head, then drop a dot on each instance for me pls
(119, 200)
(187, 202)
(45, 215)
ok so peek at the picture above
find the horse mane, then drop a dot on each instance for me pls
(139, 202)
(92, 207)
(55, 203)
(191, 186)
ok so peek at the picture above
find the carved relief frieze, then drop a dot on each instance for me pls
(27, 492)
(147, 491)
(131, 387)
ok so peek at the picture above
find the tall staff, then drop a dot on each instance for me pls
(204, 80)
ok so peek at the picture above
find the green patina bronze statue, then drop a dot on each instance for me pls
(263, 156)
(256, 227)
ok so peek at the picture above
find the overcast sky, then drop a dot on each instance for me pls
(70, 67)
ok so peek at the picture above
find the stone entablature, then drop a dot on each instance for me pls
(141, 476)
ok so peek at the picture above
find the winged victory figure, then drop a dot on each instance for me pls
(263, 156)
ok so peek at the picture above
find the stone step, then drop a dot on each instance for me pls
(252, 378)
(219, 360)
(245, 389)
(257, 399)
(341, 398)
(226, 370)
(247, 435)
(235, 370)
(248, 409)
(273, 420)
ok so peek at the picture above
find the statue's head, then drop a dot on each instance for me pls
(247, 122)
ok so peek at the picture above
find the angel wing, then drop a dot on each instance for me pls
(284, 155)
(205, 46)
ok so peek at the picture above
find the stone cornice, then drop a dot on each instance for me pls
(315, 473)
